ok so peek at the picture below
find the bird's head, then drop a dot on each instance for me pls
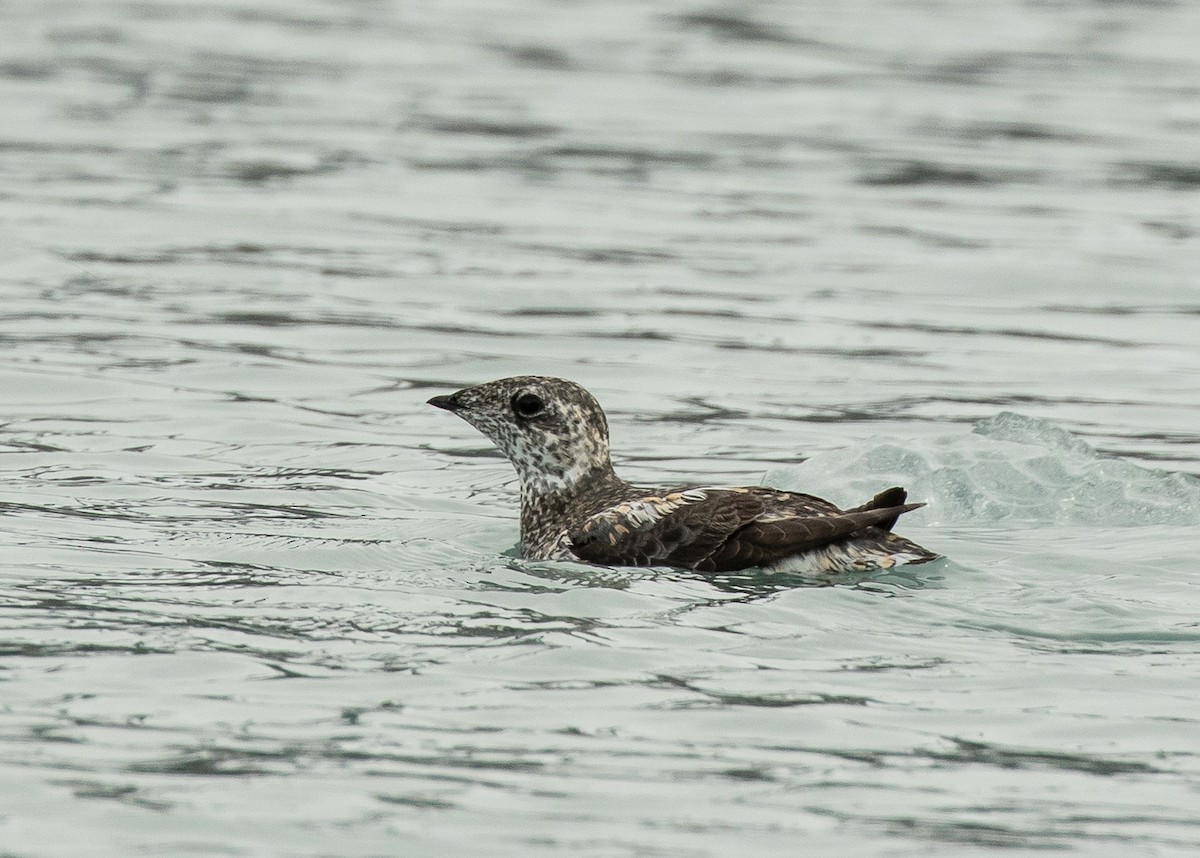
(552, 430)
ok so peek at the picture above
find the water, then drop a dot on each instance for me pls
(257, 599)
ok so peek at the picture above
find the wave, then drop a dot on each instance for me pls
(1010, 468)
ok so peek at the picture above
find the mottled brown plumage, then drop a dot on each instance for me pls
(574, 506)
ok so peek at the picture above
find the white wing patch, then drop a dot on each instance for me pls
(643, 512)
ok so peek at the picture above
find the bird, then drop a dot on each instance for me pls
(575, 507)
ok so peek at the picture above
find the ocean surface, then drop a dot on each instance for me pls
(258, 599)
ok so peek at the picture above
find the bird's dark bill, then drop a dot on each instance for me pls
(447, 402)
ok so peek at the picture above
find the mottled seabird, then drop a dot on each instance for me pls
(575, 507)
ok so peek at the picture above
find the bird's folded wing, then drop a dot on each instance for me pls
(711, 530)
(774, 537)
(672, 529)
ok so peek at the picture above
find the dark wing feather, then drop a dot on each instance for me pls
(893, 497)
(762, 542)
(683, 533)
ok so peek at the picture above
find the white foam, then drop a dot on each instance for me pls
(1009, 468)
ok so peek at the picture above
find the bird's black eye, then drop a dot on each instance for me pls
(528, 405)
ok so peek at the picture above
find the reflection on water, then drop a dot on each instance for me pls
(254, 599)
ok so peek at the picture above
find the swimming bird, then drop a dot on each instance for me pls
(575, 507)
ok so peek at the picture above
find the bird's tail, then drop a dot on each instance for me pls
(886, 499)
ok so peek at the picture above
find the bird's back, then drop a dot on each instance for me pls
(722, 529)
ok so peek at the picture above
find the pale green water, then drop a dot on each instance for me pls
(257, 599)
